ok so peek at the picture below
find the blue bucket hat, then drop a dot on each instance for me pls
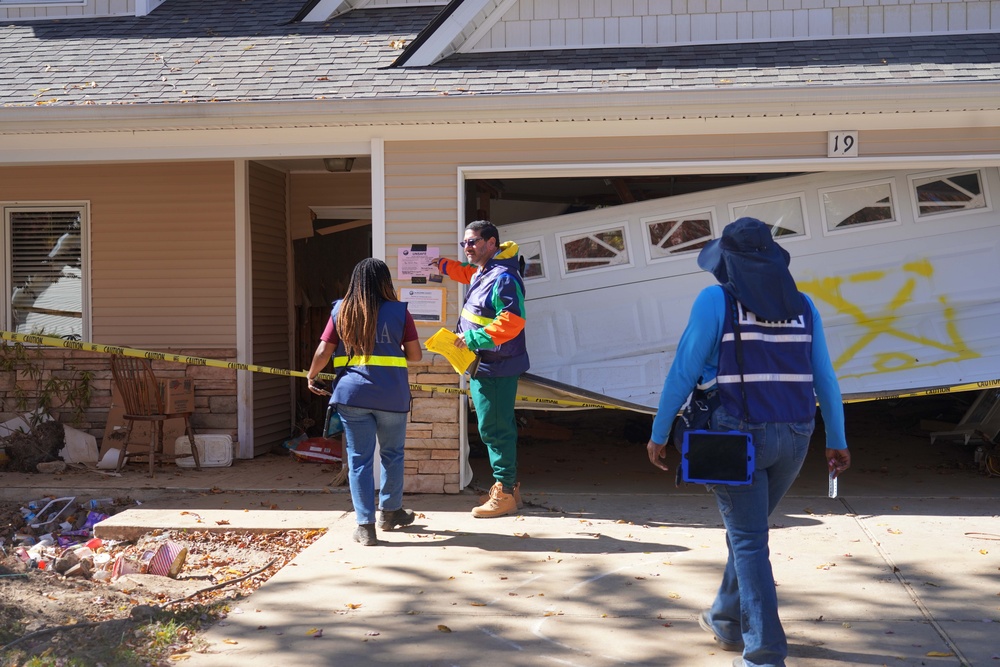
(748, 262)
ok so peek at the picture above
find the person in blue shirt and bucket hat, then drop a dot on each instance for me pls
(759, 341)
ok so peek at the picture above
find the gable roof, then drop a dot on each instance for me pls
(200, 53)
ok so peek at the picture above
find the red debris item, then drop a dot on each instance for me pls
(319, 450)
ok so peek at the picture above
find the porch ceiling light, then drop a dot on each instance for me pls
(338, 164)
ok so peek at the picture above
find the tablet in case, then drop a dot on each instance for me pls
(717, 457)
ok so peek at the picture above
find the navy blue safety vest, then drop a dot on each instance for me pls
(381, 381)
(777, 366)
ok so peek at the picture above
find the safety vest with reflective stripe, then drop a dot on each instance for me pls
(777, 371)
(381, 381)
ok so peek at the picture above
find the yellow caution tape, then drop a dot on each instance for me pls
(52, 341)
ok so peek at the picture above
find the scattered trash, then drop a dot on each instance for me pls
(168, 559)
(53, 511)
(319, 450)
(58, 537)
(110, 459)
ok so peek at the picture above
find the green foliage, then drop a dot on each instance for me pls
(39, 391)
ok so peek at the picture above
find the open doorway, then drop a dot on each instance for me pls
(323, 265)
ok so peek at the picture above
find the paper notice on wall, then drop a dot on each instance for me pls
(426, 304)
(414, 264)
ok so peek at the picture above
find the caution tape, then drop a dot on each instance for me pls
(52, 341)
(953, 389)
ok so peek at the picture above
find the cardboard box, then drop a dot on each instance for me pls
(178, 394)
(115, 427)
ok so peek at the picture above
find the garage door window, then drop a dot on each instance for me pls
(785, 215)
(534, 263)
(678, 234)
(595, 249)
(954, 193)
(858, 206)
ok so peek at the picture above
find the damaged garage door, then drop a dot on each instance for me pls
(902, 266)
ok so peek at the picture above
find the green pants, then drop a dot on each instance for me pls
(494, 401)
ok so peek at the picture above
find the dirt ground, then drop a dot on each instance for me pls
(32, 600)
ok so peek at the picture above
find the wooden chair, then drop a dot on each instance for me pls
(143, 403)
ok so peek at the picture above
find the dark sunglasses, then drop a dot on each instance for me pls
(468, 243)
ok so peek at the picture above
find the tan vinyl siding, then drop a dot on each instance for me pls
(162, 247)
(272, 394)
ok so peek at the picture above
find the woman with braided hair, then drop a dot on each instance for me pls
(371, 336)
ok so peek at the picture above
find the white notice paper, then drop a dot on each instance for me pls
(426, 304)
(412, 264)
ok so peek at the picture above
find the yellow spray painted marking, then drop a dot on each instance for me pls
(885, 321)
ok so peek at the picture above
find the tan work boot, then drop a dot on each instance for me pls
(517, 496)
(499, 504)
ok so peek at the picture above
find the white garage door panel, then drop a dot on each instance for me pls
(908, 303)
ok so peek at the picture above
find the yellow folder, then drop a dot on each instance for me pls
(443, 343)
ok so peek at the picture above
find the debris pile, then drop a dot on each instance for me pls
(57, 535)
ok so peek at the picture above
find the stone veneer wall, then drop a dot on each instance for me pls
(214, 388)
(432, 434)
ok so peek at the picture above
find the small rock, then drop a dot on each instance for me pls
(52, 467)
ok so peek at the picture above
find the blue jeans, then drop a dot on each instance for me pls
(361, 426)
(747, 602)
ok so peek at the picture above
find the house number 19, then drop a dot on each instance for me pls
(842, 144)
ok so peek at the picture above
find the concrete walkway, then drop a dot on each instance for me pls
(591, 580)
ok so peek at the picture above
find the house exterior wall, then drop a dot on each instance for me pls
(546, 24)
(421, 205)
(162, 242)
(162, 270)
(272, 336)
(22, 9)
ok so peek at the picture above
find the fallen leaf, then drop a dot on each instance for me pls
(229, 641)
(222, 522)
(353, 605)
(443, 628)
